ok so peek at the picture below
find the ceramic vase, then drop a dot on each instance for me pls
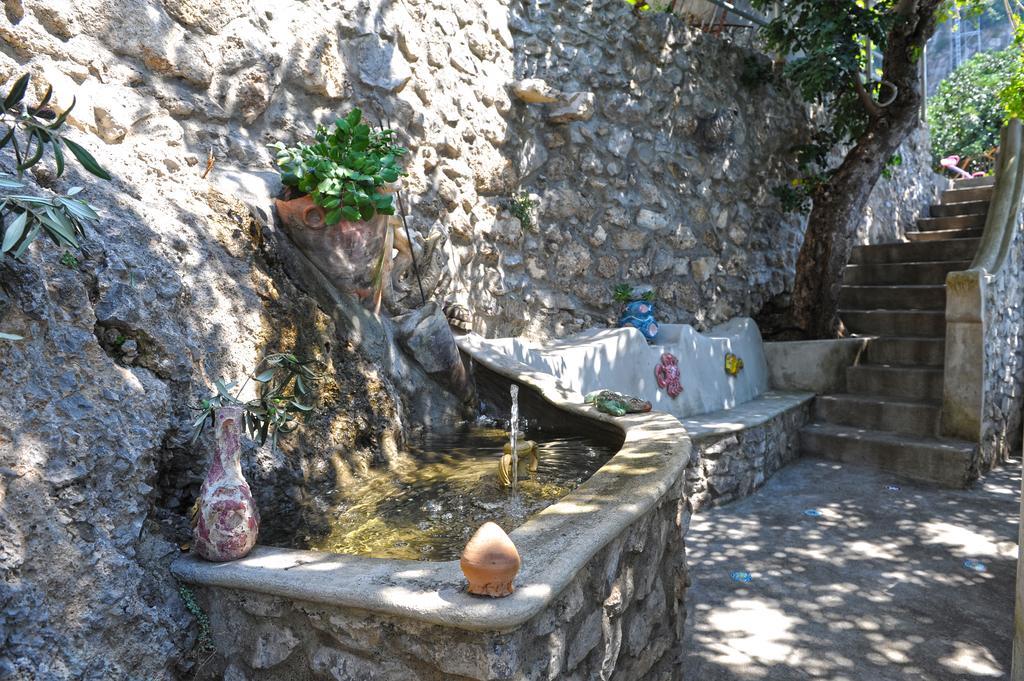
(227, 522)
(490, 562)
(640, 314)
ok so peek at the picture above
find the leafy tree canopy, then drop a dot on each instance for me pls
(828, 44)
(966, 114)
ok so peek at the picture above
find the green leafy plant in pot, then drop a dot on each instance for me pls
(342, 192)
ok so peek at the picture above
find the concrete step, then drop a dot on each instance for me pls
(878, 412)
(939, 210)
(912, 382)
(989, 181)
(951, 222)
(926, 297)
(902, 273)
(945, 235)
(903, 322)
(946, 462)
(961, 194)
(896, 350)
(925, 251)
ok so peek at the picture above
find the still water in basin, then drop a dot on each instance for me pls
(428, 510)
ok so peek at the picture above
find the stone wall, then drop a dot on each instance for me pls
(734, 465)
(1003, 382)
(623, 612)
(898, 200)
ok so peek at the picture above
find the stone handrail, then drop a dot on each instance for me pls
(969, 320)
(1005, 204)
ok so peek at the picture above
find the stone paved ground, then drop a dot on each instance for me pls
(873, 589)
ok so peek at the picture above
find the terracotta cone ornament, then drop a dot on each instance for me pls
(490, 562)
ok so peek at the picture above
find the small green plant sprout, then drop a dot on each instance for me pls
(188, 598)
(345, 168)
(624, 293)
(651, 5)
(68, 260)
(29, 131)
(520, 206)
(283, 402)
(894, 162)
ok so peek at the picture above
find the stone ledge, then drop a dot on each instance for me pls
(654, 455)
(751, 414)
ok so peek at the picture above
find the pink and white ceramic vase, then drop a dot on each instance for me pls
(228, 521)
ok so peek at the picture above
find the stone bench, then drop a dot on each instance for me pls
(736, 450)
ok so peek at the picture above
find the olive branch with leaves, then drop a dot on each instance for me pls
(29, 131)
(287, 383)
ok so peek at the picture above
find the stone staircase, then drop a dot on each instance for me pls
(889, 415)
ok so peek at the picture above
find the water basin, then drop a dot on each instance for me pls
(428, 508)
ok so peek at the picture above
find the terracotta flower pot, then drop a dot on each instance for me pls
(345, 252)
(228, 521)
(490, 562)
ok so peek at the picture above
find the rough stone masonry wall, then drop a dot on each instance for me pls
(667, 183)
(1003, 383)
(898, 200)
(735, 465)
(621, 618)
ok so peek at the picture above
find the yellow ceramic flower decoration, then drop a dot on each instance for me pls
(733, 364)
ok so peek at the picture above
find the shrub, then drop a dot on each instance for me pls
(1012, 96)
(965, 114)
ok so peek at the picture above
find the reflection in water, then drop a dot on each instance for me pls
(430, 511)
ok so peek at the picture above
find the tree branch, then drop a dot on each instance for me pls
(865, 98)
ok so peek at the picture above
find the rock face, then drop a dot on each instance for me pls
(183, 283)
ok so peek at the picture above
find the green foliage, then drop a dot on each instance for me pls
(520, 206)
(29, 131)
(1012, 95)
(623, 293)
(895, 161)
(826, 46)
(825, 43)
(188, 597)
(651, 5)
(966, 114)
(68, 260)
(345, 168)
(286, 382)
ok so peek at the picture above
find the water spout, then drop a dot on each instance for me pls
(514, 437)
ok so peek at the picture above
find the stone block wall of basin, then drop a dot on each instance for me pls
(731, 466)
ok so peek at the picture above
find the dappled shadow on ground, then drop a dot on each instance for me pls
(869, 585)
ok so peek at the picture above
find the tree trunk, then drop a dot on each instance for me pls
(839, 205)
(838, 209)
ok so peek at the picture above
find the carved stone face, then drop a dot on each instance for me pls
(344, 252)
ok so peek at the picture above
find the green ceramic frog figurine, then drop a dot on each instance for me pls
(616, 404)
